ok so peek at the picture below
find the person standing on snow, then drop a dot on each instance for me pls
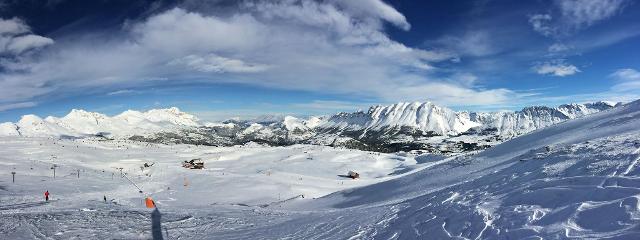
(105, 198)
(46, 195)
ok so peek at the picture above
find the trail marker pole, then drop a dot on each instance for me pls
(54, 170)
(13, 174)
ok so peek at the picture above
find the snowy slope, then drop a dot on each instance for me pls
(577, 179)
(9, 129)
(34, 126)
(237, 178)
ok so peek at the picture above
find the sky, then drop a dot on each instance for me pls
(221, 59)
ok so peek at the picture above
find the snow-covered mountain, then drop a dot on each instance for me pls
(577, 179)
(401, 126)
(79, 123)
(410, 126)
(430, 119)
(424, 117)
(536, 117)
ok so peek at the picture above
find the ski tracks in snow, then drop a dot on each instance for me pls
(634, 163)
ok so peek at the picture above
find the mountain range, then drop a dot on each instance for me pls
(398, 127)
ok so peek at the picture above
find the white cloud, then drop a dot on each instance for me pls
(574, 15)
(325, 105)
(20, 44)
(556, 68)
(558, 47)
(177, 31)
(13, 26)
(376, 8)
(16, 37)
(626, 74)
(628, 80)
(584, 13)
(9, 106)
(471, 43)
(216, 64)
(328, 47)
(452, 95)
(122, 92)
(465, 79)
(541, 23)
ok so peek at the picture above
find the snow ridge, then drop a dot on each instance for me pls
(78, 123)
(420, 116)
(428, 117)
(400, 119)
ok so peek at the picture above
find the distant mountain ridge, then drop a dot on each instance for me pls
(430, 118)
(426, 117)
(400, 126)
(80, 123)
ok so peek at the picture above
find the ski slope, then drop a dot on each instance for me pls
(584, 186)
(574, 180)
(248, 176)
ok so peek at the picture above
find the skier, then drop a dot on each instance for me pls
(105, 198)
(46, 195)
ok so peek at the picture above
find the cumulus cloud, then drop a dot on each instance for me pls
(557, 68)
(628, 79)
(328, 46)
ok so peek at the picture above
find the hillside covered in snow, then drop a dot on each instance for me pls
(398, 127)
(573, 180)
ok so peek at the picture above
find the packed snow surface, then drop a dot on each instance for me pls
(574, 180)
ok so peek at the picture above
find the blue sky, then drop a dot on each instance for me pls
(223, 59)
